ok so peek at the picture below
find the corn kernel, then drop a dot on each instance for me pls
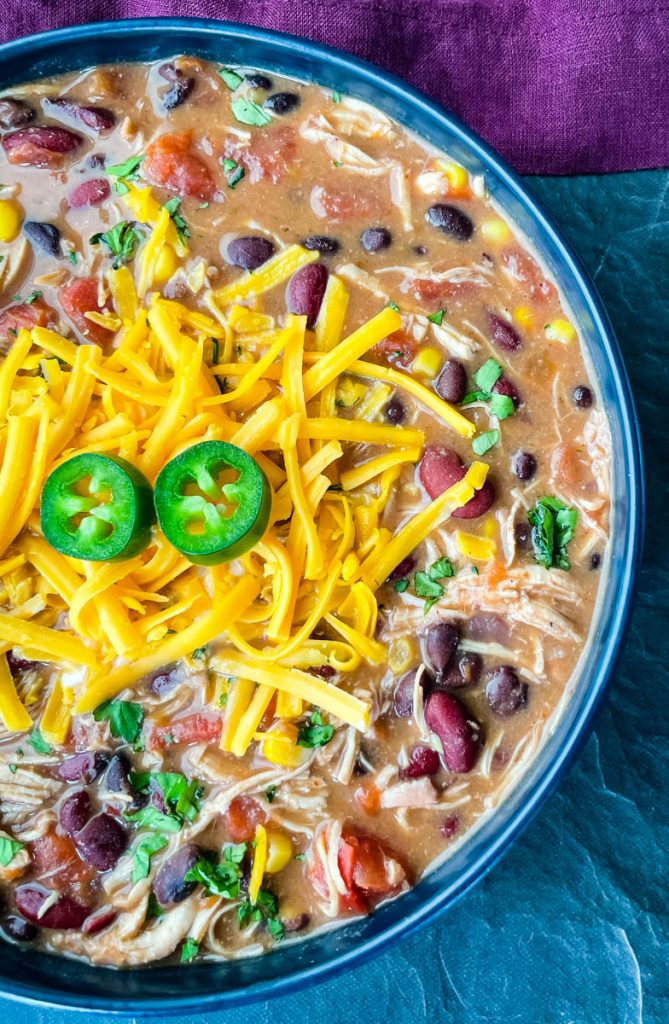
(351, 563)
(523, 316)
(489, 526)
(480, 549)
(280, 746)
(560, 330)
(428, 362)
(288, 705)
(457, 176)
(401, 655)
(350, 393)
(279, 852)
(496, 230)
(166, 264)
(10, 220)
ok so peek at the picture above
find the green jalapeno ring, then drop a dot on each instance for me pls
(192, 504)
(108, 519)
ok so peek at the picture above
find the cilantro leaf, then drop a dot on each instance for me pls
(189, 950)
(501, 406)
(247, 112)
(485, 441)
(317, 734)
(121, 242)
(151, 817)
(8, 850)
(124, 716)
(181, 795)
(393, 306)
(441, 569)
(488, 375)
(436, 318)
(270, 793)
(553, 527)
(401, 585)
(222, 879)
(129, 169)
(172, 207)
(425, 586)
(142, 854)
(38, 743)
(153, 908)
(231, 78)
(234, 172)
(475, 396)
(265, 908)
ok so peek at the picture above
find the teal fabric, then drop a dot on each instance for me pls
(572, 926)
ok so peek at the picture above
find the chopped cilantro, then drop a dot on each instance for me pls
(264, 909)
(121, 242)
(38, 743)
(336, 96)
(189, 950)
(401, 585)
(172, 207)
(248, 112)
(124, 716)
(13, 768)
(32, 298)
(317, 733)
(231, 78)
(203, 206)
(151, 817)
(488, 375)
(425, 586)
(300, 856)
(501, 406)
(553, 527)
(72, 257)
(223, 700)
(153, 908)
(395, 307)
(485, 441)
(222, 879)
(200, 653)
(181, 795)
(234, 172)
(127, 171)
(142, 854)
(270, 793)
(8, 850)
(441, 569)
(436, 318)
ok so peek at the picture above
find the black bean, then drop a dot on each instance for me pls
(18, 664)
(83, 767)
(305, 291)
(466, 671)
(102, 841)
(45, 237)
(179, 92)
(117, 778)
(15, 113)
(505, 692)
(582, 397)
(403, 696)
(523, 465)
(440, 644)
(169, 71)
(375, 239)
(420, 250)
(96, 160)
(451, 384)
(395, 410)
(259, 81)
(170, 885)
(406, 566)
(522, 533)
(504, 386)
(250, 251)
(451, 221)
(19, 929)
(503, 334)
(323, 244)
(282, 102)
(595, 560)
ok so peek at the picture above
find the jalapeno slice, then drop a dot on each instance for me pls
(213, 502)
(98, 508)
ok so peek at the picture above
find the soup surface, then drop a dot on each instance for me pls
(304, 498)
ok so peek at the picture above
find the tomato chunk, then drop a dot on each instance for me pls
(526, 271)
(56, 862)
(78, 297)
(270, 154)
(171, 163)
(397, 349)
(241, 818)
(339, 205)
(194, 728)
(15, 317)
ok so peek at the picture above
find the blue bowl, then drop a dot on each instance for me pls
(53, 981)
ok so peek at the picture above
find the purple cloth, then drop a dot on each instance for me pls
(557, 86)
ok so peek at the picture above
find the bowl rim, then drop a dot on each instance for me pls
(546, 781)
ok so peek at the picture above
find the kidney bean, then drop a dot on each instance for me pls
(83, 767)
(282, 102)
(297, 923)
(403, 569)
(455, 726)
(17, 928)
(305, 291)
(170, 885)
(15, 113)
(74, 812)
(403, 696)
(18, 664)
(169, 71)
(503, 334)
(65, 913)
(582, 397)
(323, 671)
(376, 239)
(441, 642)
(44, 237)
(451, 221)
(40, 145)
(450, 826)
(395, 411)
(451, 384)
(465, 672)
(179, 92)
(505, 692)
(442, 467)
(523, 465)
(98, 119)
(489, 628)
(422, 761)
(250, 252)
(504, 386)
(99, 920)
(323, 244)
(102, 841)
(259, 81)
(482, 501)
(162, 682)
(117, 778)
(89, 193)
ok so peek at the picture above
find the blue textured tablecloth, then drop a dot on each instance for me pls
(573, 926)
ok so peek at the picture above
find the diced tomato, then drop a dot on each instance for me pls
(13, 318)
(56, 862)
(78, 297)
(270, 154)
(398, 348)
(522, 268)
(369, 798)
(171, 163)
(338, 205)
(194, 728)
(365, 866)
(430, 292)
(241, 818)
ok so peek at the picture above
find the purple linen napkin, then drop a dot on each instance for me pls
(557, 86)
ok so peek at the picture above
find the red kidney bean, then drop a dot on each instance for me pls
(395, 411)
(83, 767)
(117, 778)
(441, 642)
(403, 696)
(523, 465)
(323, 671)
(282, 102)
(74, 812)
(450, 826)
(457, 729)
(442, 467)
(102, 841)
(376, 239)
(65, 913)
(504, 386)
(451, 384)
(505, 692)
(98, 119)
(451, 221)
(482, 501)
(250, 252)
(170, 885)
(323, 244)
(18, 664)
(423, 761)
(503, 334)
(582, 397)
(15, 113)
(40, 145)
(179, 92)
(466, 671)
(89, 193)
(406, 566)
(95, 922)
(305, 291)
(489, 628)
(16, 928)
(45, 237)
